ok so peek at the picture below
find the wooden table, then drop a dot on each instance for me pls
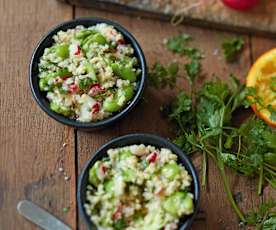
(33, 146)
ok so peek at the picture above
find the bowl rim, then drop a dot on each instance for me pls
(182, 157)
(105, 122)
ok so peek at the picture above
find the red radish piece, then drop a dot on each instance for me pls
(121, 41)
(117, 214)
(96, 108)
(73, 88)
(240, 4)
(152, 157)
(95, 90)
(101, 172)
(78, 51)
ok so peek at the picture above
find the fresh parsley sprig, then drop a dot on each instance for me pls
(232, 47)
(204, 125)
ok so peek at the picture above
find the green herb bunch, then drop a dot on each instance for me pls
(203, 120)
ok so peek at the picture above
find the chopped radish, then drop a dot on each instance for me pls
(95, 90)
(73, 88)
(152, 157)
(121, 41)
(96, 107)
(117, 215)
(78, 51)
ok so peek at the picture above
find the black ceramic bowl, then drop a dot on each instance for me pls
(47, 41)
(147, 139)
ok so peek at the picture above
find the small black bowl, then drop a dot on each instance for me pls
(47, 41)
(147, 139)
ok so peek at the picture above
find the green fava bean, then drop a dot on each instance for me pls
(127, 74)
(84, 33)
(173, 203)
(111, 105)
(95, 38)
(63, 72)
(129, 175)
(55, 107)
(188, 204)
(65, 111)
(62, 50)
(125, 154)
(93, 178)
(60, 109)
(116, 69)
(43, 83)
(100, 39)
(170, 170)
(128, 92)
(109, 186)
(90, 69)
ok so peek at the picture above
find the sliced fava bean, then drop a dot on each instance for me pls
(84, 33)
(93, 176)
(170, 170)
(129, 175)
(111, 105)
(60, 109)
(128, 92)
(116, 69)
(172, 203)
(62, 50)
(125, 154)
(125, 73)
(94, 38)
(188, 204)
(90, 70)
(100, 39)
(128, 74)
(109, 186)
(43, 84)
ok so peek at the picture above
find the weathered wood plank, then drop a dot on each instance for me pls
(146, 117)
(31, 143)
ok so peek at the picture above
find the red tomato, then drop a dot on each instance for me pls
(240, 4)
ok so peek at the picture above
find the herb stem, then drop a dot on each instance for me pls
(270, 166)
(204, 168)
(221, 168)
(261, 179)
(239, 146)
(269, 170)
(228, 191)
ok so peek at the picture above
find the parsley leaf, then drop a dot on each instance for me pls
(192, 69)
(264, 217)
(232, 47)
(160, 76)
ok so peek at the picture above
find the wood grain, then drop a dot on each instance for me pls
(215, 210)
(30, 144)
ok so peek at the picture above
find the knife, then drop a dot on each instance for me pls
(40, 216)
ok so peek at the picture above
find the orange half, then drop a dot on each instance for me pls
(262, 76)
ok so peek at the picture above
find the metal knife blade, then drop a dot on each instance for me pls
(40, 216)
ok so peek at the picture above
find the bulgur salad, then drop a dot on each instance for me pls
(138, 187)
(88, 73)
